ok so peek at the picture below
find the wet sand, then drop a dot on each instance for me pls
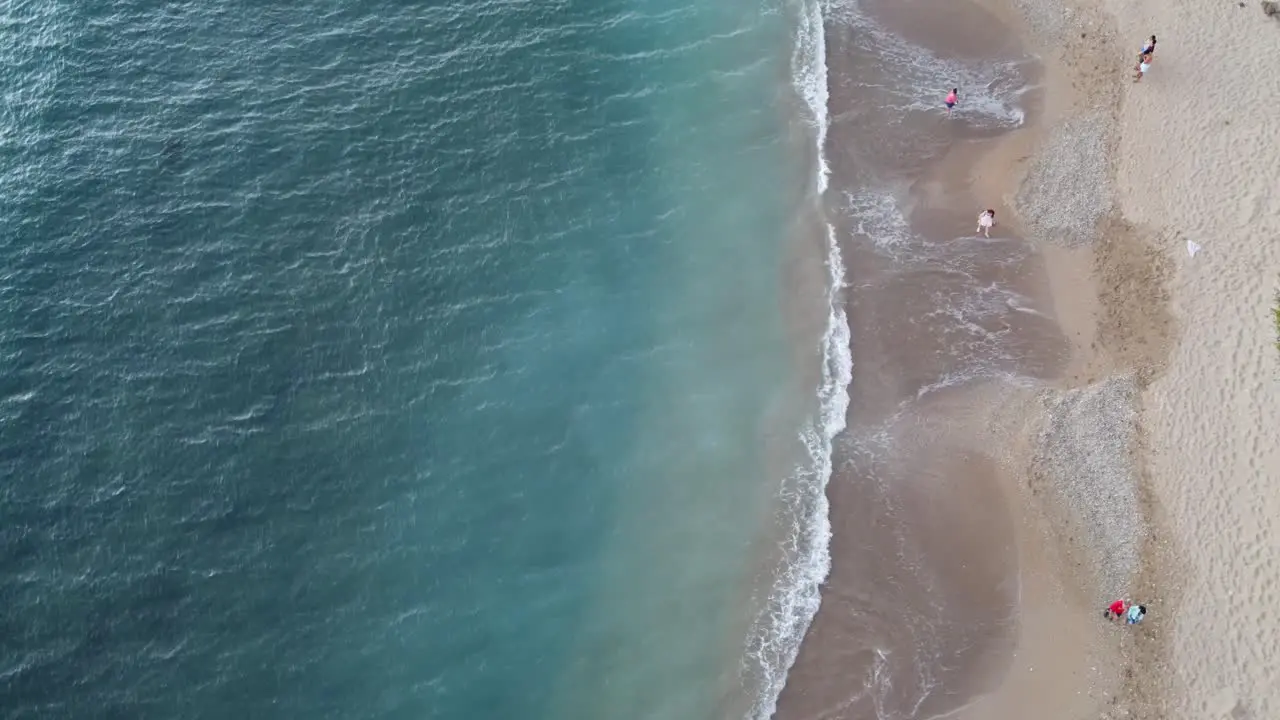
(963, 584)
(921, 612)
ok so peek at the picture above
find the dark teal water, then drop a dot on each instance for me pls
(389, 360)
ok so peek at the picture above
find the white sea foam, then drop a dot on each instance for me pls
(806, 560)
(990, 92)
(809, 64)
(877, 216)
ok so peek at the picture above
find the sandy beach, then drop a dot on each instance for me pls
(1151, 467)
(1196, 162)
(1143, 467)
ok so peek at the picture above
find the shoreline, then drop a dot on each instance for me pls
(947, 509)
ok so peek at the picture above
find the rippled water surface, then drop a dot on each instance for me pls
(387, 360)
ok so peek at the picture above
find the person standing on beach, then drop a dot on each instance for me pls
(953, 97)
(986, 221)
(1144, 64)
(1149, 47)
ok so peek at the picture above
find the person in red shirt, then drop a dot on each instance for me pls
(1116, 610)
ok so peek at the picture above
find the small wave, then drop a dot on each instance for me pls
(809, 62)
(877, 216)
(806, 560)
(991, 92)
(806, 550)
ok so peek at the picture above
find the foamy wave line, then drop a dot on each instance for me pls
(806, 552)
(991, 91)
(810, 63)
(806, 557)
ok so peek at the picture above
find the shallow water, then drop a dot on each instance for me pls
(377, 361)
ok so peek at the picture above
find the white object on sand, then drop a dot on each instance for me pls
(1192, 248)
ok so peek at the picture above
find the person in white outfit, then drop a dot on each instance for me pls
(986, 221)
(1144, 64)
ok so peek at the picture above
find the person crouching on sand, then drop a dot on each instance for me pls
(1116, 610)
(1135, 614)
(986, 221)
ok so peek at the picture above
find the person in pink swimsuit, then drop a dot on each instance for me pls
(953, 97)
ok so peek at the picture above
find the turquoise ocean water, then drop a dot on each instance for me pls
(387, 360)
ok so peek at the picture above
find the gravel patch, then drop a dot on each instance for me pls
(1050, 20)
(1085, 453)
(1067, 190)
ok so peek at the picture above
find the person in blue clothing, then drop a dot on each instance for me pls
(1135, 614)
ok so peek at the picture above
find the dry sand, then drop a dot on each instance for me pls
(1156, 463)
(1198, 159)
